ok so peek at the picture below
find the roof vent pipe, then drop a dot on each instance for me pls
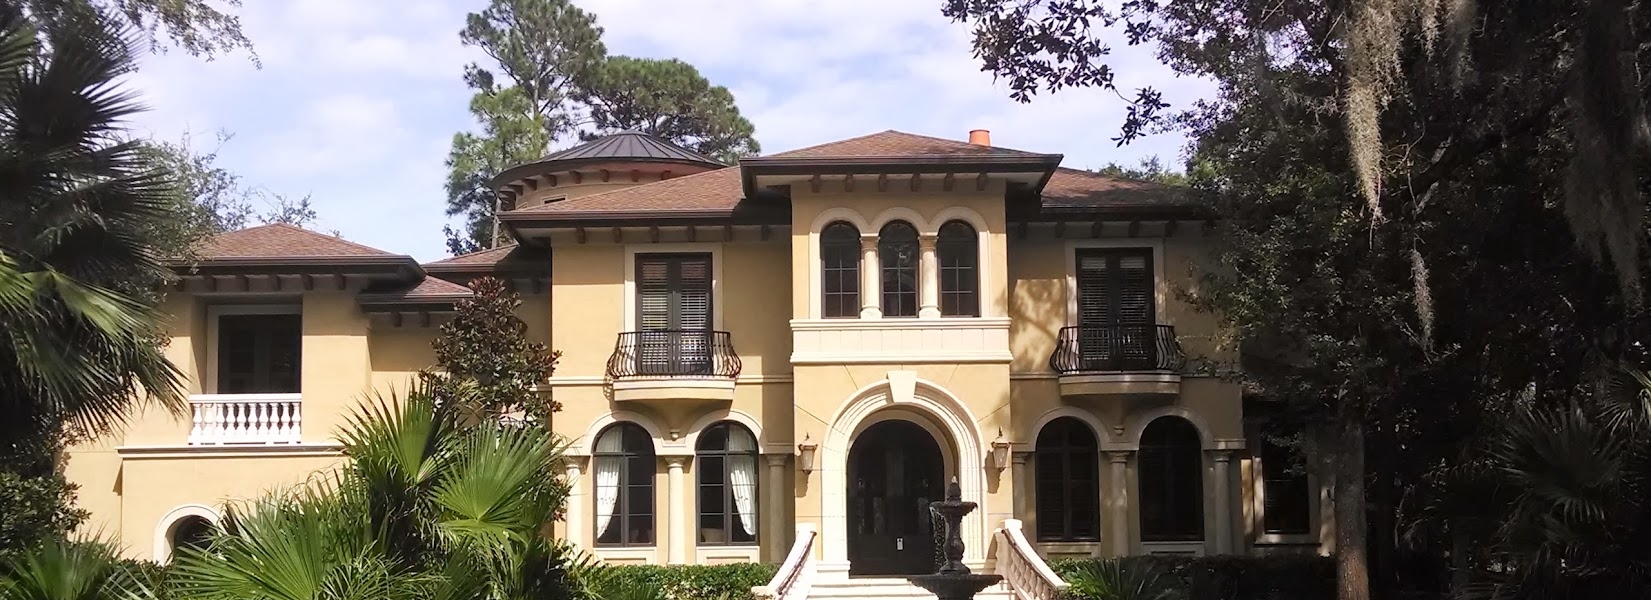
(980, 137)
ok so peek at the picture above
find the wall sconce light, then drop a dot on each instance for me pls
(805, 454)
(1000, 451)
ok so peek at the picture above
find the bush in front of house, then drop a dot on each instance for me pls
(1271, 577)
(694, 582)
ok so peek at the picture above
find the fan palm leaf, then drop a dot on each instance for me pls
(78, 339)
(70, 570)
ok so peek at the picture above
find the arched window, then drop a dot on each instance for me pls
(897, 250)
(840, 271)
(624, 468)
(727, 478)
(190, 532)
(1171, 479)
(1068, 482)
(958, 249)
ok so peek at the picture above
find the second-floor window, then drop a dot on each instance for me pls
(958, 250)
(840, 271)
(259, 353)
(673, 313)
(897, 250)
(1116, 306)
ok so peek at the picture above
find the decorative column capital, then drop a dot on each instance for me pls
(775, 460)
(1222, 456)
(926, 241)
(676, 462)
(1020, 457)
(1119, 456)
(868, 241)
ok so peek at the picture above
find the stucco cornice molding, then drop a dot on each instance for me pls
(239, 451)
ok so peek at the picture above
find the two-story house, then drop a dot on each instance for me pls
(797, 351)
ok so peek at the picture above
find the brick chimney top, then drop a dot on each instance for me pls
(980, 137)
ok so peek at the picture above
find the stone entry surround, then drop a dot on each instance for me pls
(961, 444)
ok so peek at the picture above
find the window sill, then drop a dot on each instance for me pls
(627, 555)
(1286, 539)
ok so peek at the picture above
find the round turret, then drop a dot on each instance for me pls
(604, 164)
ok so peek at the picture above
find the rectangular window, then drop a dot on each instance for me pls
(1285, 488)
(259, 353)
(1116, 305)
(673, 314)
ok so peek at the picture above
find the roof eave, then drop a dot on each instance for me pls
(751, 168)
(777, 215)
(301, 265)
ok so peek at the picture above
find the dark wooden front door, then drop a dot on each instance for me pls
(894, 472)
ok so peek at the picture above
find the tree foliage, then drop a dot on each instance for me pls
(209, 199)
(486, 365)
(670, 99)
(199, 27)
(1406, 241)
(79, 338)
(550, 79)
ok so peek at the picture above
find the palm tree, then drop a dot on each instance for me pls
(78, 337)
(424, 509)
(65, 570)
(1551, 501)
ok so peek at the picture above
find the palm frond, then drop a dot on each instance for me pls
(69, 570)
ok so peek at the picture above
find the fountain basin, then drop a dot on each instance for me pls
(955, 586)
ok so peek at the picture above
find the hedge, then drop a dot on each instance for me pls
(697, 582)
(1270, 577)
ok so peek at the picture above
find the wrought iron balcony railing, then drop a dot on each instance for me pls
(686, 353)
(1115, 348)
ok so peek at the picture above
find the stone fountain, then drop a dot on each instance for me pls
(954, 581)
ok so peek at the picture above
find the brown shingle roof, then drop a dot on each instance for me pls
(479, 258)
(719, 189)
(1077, 190)
(720, 193)
(282, 240)
(428, 288)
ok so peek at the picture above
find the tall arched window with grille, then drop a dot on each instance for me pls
(1171, 480)
(840, 271)
(726, 475)
(958, 250)
(1068, 473)
(898, 252)
(624, 467)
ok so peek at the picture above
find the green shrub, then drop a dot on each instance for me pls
(1272, 577)
(694, 582)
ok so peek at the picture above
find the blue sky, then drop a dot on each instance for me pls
(357, 100)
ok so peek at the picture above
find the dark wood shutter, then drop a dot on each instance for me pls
(673, 313)
(1116, 306)
(259, 354)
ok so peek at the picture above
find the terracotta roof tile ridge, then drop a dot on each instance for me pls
(632, 189)
(832, 143)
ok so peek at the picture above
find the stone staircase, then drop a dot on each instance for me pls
(892, 588)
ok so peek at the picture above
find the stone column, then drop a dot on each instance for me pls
(1018, 477)
(575, 502)
(676, 524)
(773, 532)
(928, 270)
(1223, 502)
(1120, 502)
(871, 280)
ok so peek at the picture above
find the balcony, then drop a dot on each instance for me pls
(673, 364)
(244, 419)
(1118, 360)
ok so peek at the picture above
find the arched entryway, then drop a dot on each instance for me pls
(895, 469)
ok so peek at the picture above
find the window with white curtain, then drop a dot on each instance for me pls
(727, 478)
(623, 465)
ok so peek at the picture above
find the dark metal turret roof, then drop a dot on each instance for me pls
(625, 146)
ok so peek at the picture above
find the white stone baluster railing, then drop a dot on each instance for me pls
(219, 419)
(1024, 572)
(796, 574)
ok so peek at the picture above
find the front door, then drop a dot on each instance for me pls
(894, 472)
